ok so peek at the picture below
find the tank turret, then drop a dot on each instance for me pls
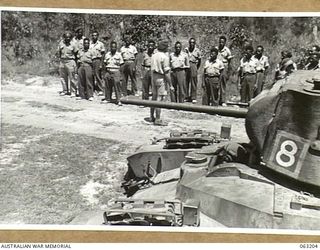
(283, 124)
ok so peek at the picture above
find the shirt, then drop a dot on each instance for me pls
(67, 52)
(78, 42)
(213, 68)
(248, 66)
(97, 49)
(160, 62)
(194, 56)
(262, 63)
(113, 61)
(224, 55)
(284, 68)
(179, 61)
(128, 53)
(147, 58)
(85, 57)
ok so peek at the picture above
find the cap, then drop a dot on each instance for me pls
(163, 45)
(78, 28)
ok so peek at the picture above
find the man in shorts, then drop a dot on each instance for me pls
(161, 81)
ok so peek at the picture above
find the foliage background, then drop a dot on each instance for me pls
(29, 39)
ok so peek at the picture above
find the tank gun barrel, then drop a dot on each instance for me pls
(223, 111)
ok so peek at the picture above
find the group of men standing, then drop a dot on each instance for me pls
(184, 65)
(85, 67)
(164, 74)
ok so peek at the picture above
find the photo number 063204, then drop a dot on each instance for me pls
(168, 120)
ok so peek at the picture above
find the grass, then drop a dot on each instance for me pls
(53, 107)
(42, 174)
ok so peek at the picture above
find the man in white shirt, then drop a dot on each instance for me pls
(98, 51)
(161, 80)
(146, 69)
(224, 54)
(213, 69)
(262, 69)
(194, 55)
(179, 62)
(113, 61)
(247, 72)
(129, 55)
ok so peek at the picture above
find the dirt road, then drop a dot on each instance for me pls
(61, 156)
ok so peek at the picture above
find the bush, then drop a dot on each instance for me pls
(29, 39)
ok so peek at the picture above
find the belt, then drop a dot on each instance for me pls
(112, 70)
(248, 73)
(177, 69)
(157, 73)
(260, 71)
(97, 58)
(211, 76)
(193, 62)
(66, 59)
(146, 66)
(85, 63)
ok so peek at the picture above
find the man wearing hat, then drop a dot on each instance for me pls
(160, 68)
(313, 59)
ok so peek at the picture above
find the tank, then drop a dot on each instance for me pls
(272, 182)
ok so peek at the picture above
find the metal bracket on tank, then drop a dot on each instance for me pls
(148, 212)
(305, 200)
(144, 212)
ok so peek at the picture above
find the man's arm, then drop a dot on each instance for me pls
(240, 75)
(187, 62)
(135, 58)
(199, 63)
(167, 78)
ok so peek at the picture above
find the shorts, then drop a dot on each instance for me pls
(159, 85)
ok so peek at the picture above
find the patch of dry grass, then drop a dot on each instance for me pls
(41, 183)
(53, 107)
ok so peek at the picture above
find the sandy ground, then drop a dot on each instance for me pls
(60, 156)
